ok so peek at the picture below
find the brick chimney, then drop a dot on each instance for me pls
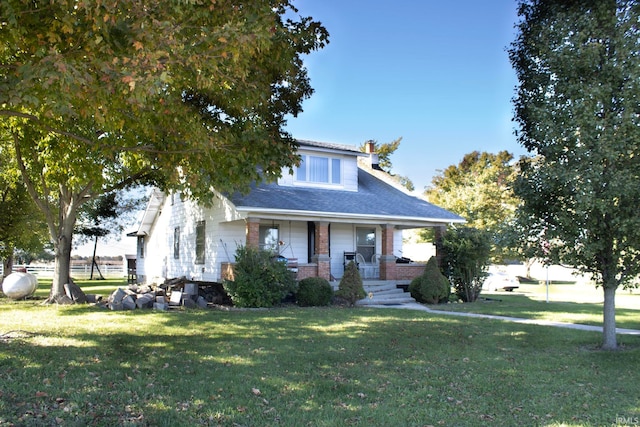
(373, 156)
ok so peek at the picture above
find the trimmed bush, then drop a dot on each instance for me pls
(261, 280)
(314, 291)
(350, 288)
(432, 286)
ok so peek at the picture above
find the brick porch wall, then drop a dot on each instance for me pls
(307, 270)
(304, 271)
(409, 271)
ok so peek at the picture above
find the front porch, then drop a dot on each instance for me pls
(331, 245)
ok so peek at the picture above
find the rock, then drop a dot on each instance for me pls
(74, 292)
(94, 298)
(145, 300)
(129, 303)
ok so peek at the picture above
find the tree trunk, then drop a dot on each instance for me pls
(62, 266)
(528, 264)
(93, 259)
(609, 340)
(7, 266)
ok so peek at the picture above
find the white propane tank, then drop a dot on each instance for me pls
(19, 285)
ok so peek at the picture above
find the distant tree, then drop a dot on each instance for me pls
(479, 189)
(96, 96)
(105, 216)
(578, 110)
(384, 152)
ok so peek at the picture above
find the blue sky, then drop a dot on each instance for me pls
(433, 72)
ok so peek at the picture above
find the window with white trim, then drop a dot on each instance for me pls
(176, 243)
(269, 237)
(141, 246)
(319, 170)
(200, 242)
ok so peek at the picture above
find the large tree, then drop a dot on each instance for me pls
(578, 110)
(98, 95)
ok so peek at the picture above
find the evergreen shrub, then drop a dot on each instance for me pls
(314, 291)
(431, 287)
(350, 288)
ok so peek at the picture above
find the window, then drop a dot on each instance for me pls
(176, 243)
(321, 170)
(141, 246)
(269, 237)
(366, 242)
(200, 242)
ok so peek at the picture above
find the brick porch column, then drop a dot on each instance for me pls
(387, 259)
(321, 250)
(253, 232)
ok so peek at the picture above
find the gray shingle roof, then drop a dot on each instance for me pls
(374, 198)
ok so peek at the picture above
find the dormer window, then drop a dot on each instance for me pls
(319, 170)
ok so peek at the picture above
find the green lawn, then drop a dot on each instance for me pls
(81, 365)
(568, 302)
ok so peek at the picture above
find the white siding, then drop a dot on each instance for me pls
(350, 170)
(342, 240)
(221, 238)
(293, 235)
(152, 266)
(397, 243)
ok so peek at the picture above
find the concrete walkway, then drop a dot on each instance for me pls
(420, 307)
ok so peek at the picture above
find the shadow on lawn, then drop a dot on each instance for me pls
(293, 366)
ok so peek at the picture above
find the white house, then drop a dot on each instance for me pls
(336, 204)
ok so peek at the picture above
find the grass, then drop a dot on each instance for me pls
(568, 302)
(83, 366)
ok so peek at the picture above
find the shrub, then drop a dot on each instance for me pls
(260, 279)
(314, 291)
(467, 254)
(350, 288)
(431, 287)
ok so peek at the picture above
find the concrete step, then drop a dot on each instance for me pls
(381, 292)
(387, 300)
(384, 291)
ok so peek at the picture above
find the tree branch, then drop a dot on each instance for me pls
(139, 148)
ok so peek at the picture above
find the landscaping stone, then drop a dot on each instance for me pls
(129, 303)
